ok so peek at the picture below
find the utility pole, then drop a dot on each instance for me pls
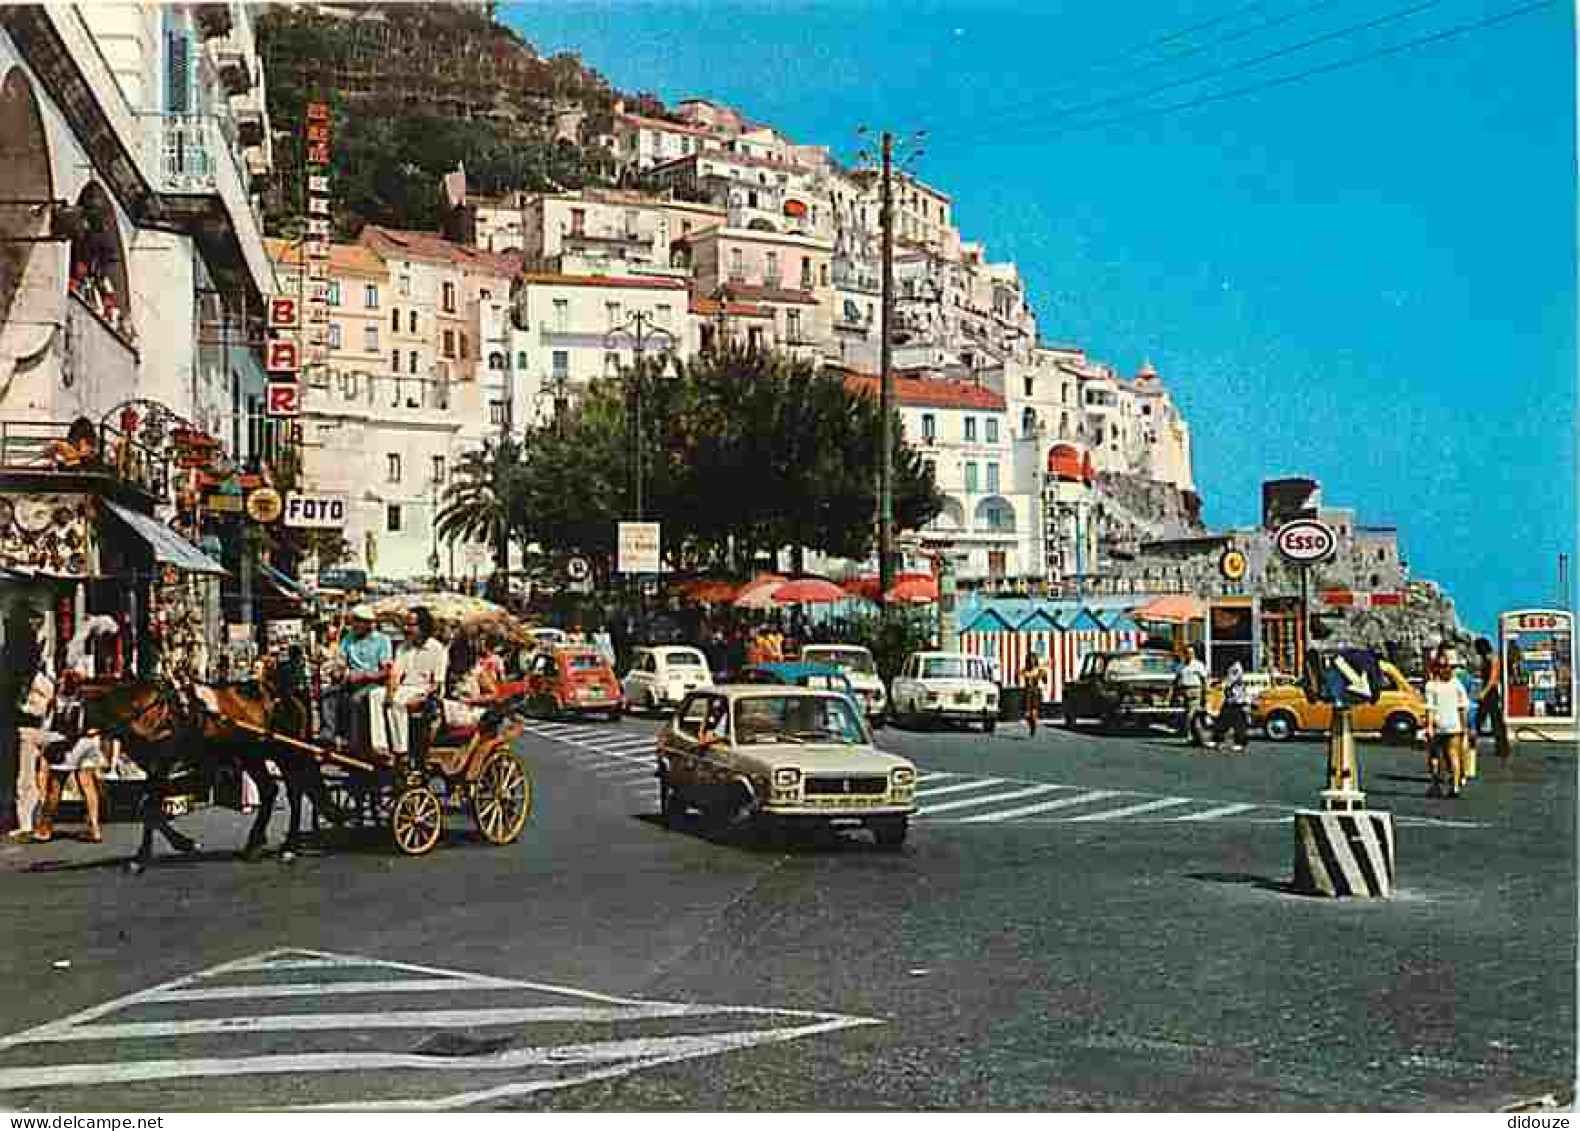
(886, 384)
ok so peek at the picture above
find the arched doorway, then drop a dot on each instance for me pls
(30, 269)
(98, 260)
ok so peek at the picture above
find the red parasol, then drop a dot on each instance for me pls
(808, 591)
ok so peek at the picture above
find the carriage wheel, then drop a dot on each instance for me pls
(501, 798)
(347, 805)
(416, 820)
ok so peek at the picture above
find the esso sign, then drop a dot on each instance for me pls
(1305, 540)
(1540, 622)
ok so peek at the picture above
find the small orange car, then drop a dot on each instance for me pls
(573, 679)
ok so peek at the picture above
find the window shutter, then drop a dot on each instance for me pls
(178, 60)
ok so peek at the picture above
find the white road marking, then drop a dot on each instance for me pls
(409, 1019)
(976, 783)
(1220, 811)
(573, 1064)
(1131, 810)
(1042, 807)
(934, 776)
(1014, 795)
(314, 989)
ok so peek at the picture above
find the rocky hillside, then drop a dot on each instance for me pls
(414, 89)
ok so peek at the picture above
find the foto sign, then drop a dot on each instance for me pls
(638, 547)
(315, 512)
(1305, 540)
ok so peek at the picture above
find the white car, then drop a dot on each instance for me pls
(660, 677)
(857, 664)
(954, 686)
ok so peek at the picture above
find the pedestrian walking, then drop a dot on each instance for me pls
(1447, 719)
(1235, 713)
(20, 659)
(1489, 707)
(1032, 680)
(1190, 682)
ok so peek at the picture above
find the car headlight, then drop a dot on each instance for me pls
(903, 776)
(786, 779)
(932, 696)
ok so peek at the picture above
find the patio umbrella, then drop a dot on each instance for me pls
(708, 591)
(1176, 608)
(450, 608)
(915, 589)
(808, 591)
(759, 592)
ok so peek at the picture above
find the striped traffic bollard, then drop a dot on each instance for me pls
(1344, 851)
(1344, 855)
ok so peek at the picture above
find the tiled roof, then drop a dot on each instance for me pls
(393, 243)
(668, 127)
(709, 307)
(727, 157)
(928, 392)
(344, 258)
(644, 282)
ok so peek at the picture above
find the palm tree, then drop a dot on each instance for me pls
(477, 501)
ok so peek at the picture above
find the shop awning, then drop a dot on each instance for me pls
(285, 584)
(169, 547)
(1176, 608)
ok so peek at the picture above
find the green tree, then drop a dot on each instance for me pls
(480, 502)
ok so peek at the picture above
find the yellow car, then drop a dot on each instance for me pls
(1398, 715)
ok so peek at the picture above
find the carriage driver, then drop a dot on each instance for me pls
(366, 656)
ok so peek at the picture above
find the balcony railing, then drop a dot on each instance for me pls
(40, 446)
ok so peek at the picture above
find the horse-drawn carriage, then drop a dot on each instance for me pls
(168, 725)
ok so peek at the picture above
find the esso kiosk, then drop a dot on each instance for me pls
(1537, 651)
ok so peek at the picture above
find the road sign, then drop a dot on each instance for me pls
(1349, 677)
(315, 512)
(1305, 540)
(578, 569)
(284, 399)
(1232, 565)
(264, 505)
(638, 547)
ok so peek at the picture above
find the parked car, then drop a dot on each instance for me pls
(1398, 715)
(573, 679)
(662, 676)
(793, 674)
(951, 686)
(858, 665)
(778, 757)
(1116, 688)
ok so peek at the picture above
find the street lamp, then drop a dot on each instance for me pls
(640, 329)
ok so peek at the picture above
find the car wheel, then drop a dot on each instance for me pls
(989, 725)
(1400, 729)
(1200, 728)
(1070, 718)
(1280, 726)
(890, 834)
(1113, 718)
(654, 707)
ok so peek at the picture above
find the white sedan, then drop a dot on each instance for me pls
(660, 677)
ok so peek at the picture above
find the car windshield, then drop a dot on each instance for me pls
(586, 662)
(682, 659)
(846, 659)
(798, 719)
(1141, 664)
(953, 667)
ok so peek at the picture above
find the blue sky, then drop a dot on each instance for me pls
(1367, 276)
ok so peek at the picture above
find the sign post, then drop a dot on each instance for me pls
(1303, 543)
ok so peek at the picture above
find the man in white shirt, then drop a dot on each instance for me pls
(1447, 718)
(1191, 680)
(418, 671)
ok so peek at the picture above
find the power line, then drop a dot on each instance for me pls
(1164, 60)
(1244, 64)
(1327, 68)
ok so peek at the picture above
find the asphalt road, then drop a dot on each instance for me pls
(1078, 922)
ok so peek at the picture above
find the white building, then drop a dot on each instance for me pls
(131, 259)
(574, 330)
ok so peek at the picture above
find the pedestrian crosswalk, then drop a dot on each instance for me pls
(625, 760)
(312, 1030)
